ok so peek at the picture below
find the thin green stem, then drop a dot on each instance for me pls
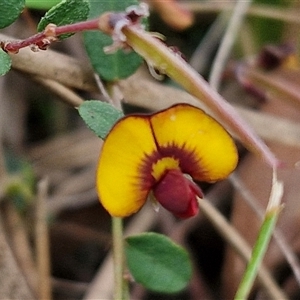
(257, 256)
(262, 241)
(121, 284)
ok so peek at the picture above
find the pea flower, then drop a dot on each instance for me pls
(160, 154)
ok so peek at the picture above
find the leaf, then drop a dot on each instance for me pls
(99, 116)
(113, 66)
(157, 262)
(5, 62)
(38, 4)
(10, 11)
(66, 12)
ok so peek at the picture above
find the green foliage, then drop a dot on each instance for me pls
(157, 262)
(66, 12)
(113, 66)
(5, 62)
(99, 116)
(21, 183)
(38, 4)
(10, 11)
(268, 30)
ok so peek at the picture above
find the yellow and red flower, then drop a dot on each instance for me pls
(160, 153)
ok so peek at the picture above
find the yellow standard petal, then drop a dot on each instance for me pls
(204, 148)
(120, 185)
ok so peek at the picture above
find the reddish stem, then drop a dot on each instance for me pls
(39, 38)
(77, 27)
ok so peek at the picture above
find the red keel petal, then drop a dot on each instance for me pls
(178, 194)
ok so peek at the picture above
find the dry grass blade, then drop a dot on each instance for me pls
(282, 83)
(12, 282)
(259, 10)
(65, 94)
(227, 42)
(273, 128)
(20, 244)
(72, 177)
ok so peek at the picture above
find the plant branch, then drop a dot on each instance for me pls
(56, 66)
(50, 34)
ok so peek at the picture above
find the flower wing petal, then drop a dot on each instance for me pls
(119, 180)
(205, 149)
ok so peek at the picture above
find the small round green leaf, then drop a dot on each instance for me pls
(10, 11)
(66, 12)
(99, 116)
(5, 62)
(157, 262)
(113, 66)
